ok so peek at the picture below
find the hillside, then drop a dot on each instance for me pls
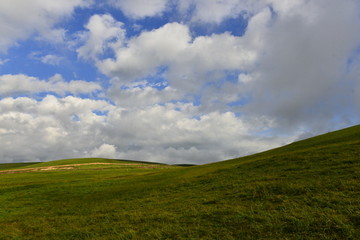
(306, 190)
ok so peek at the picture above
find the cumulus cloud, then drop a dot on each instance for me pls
(104, 151)
(103, 32)
(173, 135)
(72, 127)
(62, 127)
(21, 18)
(191, 62)
(146, 52)
(291, 64)
(141, 94)
(23, 84)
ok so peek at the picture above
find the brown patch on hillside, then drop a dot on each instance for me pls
(73, 166)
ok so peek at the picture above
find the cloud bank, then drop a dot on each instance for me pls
(20, 19)
(173, 94)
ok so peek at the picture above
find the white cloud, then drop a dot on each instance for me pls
(23, 84)
(282, 54)
(142, 95)
(146, 52)
(190, 62)
(20, 19)
(52, 59)
(51, 122)
(103, 32)
(140, 8)
(165, 133)
(104, 151)
(291, 63)
(162, 133)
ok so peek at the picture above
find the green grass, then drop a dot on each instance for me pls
(306, 190)
(6, 166)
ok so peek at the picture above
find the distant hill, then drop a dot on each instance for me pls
(306, 190)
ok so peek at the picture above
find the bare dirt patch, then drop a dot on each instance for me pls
(74, 166)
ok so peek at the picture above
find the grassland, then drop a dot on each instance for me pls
(306, 190)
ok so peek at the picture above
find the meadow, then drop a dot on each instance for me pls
(306, 190)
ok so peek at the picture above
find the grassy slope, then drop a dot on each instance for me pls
(306, 190)
(7, 166)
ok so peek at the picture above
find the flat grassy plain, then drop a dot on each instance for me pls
(306, 190)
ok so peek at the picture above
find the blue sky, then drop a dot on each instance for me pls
(191, 81)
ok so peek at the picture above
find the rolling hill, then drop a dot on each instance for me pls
(306, 190)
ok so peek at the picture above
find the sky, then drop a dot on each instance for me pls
(174, 81)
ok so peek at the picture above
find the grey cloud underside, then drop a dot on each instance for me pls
(304, 77)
